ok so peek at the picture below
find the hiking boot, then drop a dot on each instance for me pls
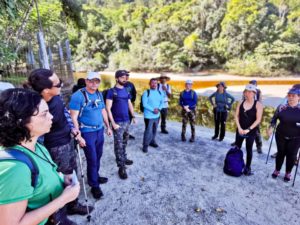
(67, 221)
(287, 177)
(221, 139)
(77, 208)
(164, 131)
(145, 149)
(102, 180)
(131, 137)
(259, 150)
(122, 173)
(214, 137)
(128, 162)
(232, 144)
(192, 139)
(275, 174)
(183, 138)
(274, 155)
(154, 145)
(247, 171)
(96, 192)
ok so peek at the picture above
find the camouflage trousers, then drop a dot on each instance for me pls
(121, 136)
(65, 157)
(186, 117)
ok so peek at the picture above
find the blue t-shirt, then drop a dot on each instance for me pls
(155, 100)
(119, 109)
(90, 119)
(188, 98)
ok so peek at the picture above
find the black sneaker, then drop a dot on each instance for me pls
(183, 138)
(67, 221)
(259, 150)
(122, 173)
(192, 139)
(79, 209)
(274, 155)
(214, 137)
(131, 137)
(232, 144)
(145, 149)
(102, 180)
(154, 145)
(96, 192)
(247, 171)
(164, 132)
(221, 139)
(128, 162)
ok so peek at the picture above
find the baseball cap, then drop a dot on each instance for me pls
(294, 91)
(250, 87)
(254, 82)
(93, 75)
(121, 73)
(189, 82)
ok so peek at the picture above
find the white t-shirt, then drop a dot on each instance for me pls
(166, 98)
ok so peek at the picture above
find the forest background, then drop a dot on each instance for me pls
(244, 37)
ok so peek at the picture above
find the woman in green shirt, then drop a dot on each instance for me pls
(24, 116)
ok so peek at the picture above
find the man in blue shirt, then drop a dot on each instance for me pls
(188, 101)
(152, 101)
(118, 106)
(88, 114)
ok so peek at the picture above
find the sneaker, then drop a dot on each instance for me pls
(145, 149)
(232, 144)
(259, 150)
(154, 145)
(221, 139)
(287, 177)
(96, 192)
(275, 174)
(214, 137)
(122, 173)
(164, 131)
(67, 221)
(192, 139)
(183, 138)
(102, 180)
(78, 208)
(128, 162)
(131, 137)
(247, 171)
(274, 155)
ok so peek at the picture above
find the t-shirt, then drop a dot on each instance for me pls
(165, 96)
(60, 130)
(15, 179)
(91, 118)
(119, 109)
(152, 101)
(188, 98)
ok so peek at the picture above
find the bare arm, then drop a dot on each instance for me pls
(15, 213)
(259, 111)
(236, 116)
(106, 122)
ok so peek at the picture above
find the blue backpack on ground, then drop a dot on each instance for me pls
(13, 154)
(234, 162)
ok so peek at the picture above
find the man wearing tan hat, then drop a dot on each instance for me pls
(164, 88)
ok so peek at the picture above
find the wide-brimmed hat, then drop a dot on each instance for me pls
(250, 87)
(163, 76)
(254, 82)
(93, 75)
(221, 83)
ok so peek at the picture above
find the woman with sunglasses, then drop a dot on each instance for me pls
(58, 141)
(247, 117)
(24, 116)
(287, 134)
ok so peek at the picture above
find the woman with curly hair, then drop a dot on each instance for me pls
(24, 116)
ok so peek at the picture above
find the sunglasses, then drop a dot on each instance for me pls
(59, 85)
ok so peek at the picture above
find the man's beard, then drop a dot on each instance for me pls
(122, 83)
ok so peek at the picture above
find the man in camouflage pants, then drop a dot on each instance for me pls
(188, 102)
(118, 106)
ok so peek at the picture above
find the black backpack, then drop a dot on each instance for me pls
(234, 162)
(14, 154)
(141, 102)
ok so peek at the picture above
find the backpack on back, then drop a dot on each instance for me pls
(234, 162)
(13, 154)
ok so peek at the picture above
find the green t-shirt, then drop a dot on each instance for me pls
(15, 180)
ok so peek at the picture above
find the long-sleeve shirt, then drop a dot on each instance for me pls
(189, 98)
(152, 101)
(223, 100)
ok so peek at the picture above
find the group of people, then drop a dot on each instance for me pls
(35, 122)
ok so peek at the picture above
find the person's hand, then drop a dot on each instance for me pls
(246, 131)
(134, 121)
(241, 131)
(115, 126)
(156, 111)
(270, 131)
(109, 132)
(68, 179)
(75, 132)
(81, 141)
(70, 193)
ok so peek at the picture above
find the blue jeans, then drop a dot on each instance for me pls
(93, 152)
(150, 131)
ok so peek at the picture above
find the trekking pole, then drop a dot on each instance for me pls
(83, 183)
(271, 143)
(296, 169)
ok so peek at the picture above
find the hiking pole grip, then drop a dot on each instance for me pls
(271, 143)
(296, 169)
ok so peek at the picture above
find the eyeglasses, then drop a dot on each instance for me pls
(59, 85)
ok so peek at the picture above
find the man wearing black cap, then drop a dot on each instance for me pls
(118, 104)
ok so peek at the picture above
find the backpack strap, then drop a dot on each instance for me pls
(13, 154)
(148, 92)
(86, 101)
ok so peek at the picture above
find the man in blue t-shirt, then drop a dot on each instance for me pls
(88, 114)
(188, 101)
(118, 106)
(153, 101)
